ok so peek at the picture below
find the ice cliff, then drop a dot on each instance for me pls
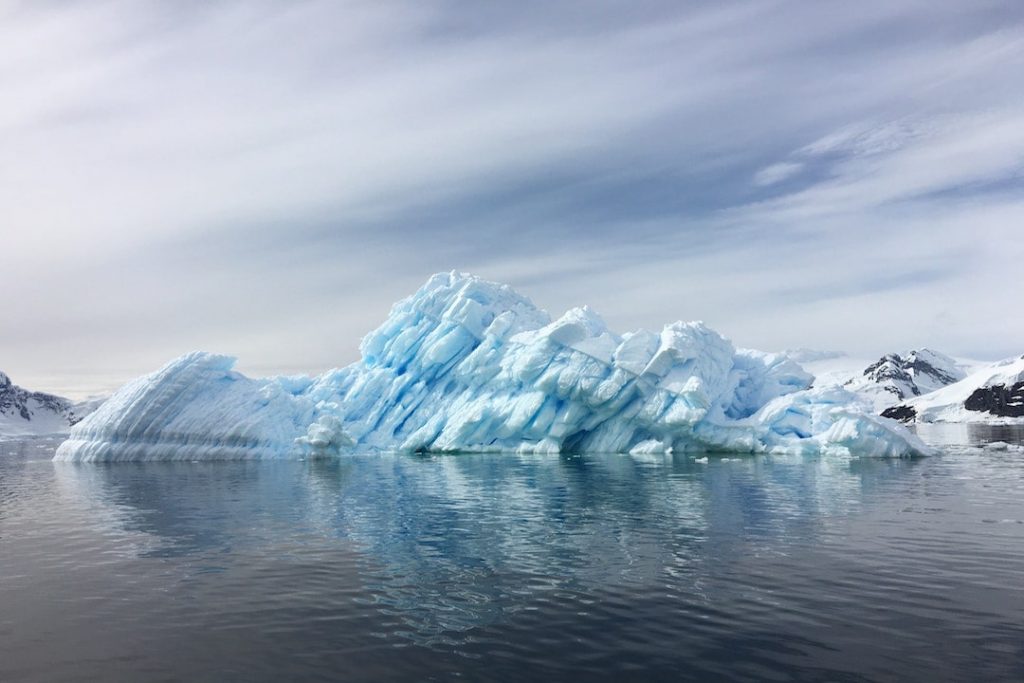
(470, 365)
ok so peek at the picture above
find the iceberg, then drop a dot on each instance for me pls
(470, 365)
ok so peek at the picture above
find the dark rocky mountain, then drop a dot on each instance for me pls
(15, 399)
(991, 394)
(25, 412)
(901, 413)
(912, 374)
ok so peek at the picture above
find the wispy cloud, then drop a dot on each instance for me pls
(776, 173)
(265, 177)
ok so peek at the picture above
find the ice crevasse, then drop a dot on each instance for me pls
(469, 365)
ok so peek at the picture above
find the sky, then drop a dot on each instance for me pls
(265, 179)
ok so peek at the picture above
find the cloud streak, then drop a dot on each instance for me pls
(265, 178)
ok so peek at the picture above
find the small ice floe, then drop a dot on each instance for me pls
(1003, 446)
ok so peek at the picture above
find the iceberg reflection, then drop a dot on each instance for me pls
(443, 544)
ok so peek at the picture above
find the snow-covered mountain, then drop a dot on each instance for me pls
(994, 393)
(24, 412)
(889, 380)
(469, 365)
(895, 377)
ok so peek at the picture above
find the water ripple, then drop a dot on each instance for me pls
(506, 567)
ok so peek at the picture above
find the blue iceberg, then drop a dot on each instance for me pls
(470, 365)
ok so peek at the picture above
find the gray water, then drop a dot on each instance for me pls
(509, 567)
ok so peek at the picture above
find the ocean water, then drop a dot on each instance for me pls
(515, 568)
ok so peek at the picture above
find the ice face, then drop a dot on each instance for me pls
(469, 365)
(196, 407)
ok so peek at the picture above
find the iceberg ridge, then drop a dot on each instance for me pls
(469, 365)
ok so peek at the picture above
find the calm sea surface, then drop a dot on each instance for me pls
(507, 567)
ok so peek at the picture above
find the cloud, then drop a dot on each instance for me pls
(776, 173)
(264, 178)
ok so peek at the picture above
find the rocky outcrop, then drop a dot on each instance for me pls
(1001, 400)
(901, 413)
